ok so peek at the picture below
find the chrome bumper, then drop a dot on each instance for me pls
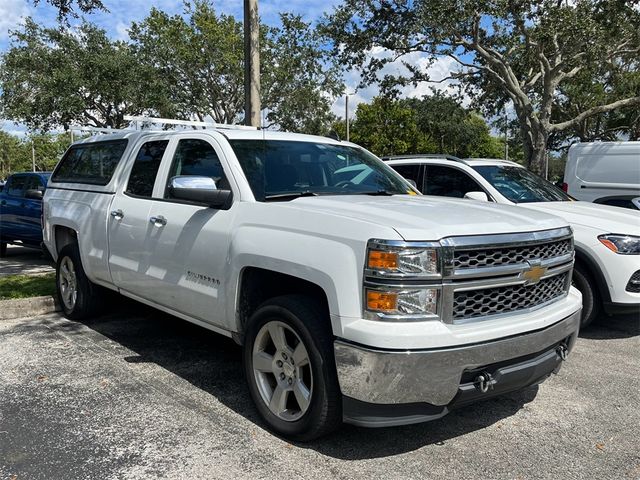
(433, 376)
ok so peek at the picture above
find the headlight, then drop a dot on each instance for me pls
(419, 303)
(621, 244)
(401, 261)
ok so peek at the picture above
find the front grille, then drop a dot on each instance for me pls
(634, 283)
(494, 257)
(491, 301)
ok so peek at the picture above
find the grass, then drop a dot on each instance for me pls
(25, 286)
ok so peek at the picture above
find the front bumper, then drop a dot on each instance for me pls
(435, 380)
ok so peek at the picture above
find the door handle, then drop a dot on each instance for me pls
(158, 221)
(117, 214)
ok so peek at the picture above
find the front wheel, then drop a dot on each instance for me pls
(78, 296)
(584, 282)
(290, 368)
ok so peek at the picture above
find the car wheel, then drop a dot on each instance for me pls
(3, 250)
(583, 281)
(78, 296)
(290, 367)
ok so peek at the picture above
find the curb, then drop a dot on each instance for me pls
(28, 307)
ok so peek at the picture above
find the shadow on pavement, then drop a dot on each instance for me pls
(213, 363)
(616, 326)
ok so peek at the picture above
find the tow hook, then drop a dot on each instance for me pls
(484, 382)
(562, 351)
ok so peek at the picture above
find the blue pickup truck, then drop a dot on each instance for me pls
(20, 209)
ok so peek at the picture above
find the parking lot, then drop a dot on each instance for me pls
(139, 394)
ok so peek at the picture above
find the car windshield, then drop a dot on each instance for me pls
(520, 185)
(282, 170)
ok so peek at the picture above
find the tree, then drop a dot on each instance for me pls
(388, 127)
(200, 59)
(16, 153)
(54, 77)
(432, 124)
(67, 8)
(300, 79)
(527, 51)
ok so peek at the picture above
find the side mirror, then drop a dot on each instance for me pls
(480, 196)
(200, 190)
(33, 194)
(412, 182)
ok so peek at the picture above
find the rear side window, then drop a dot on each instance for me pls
(91, 163)
(145, 168)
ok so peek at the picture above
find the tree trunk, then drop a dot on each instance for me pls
(537, 155)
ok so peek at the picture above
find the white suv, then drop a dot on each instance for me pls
(607, 239)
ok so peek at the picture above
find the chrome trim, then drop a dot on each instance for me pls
(433, 376)
(508, 269)
(501, 240)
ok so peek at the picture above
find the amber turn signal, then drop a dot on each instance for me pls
(382, 301)
(382, 260)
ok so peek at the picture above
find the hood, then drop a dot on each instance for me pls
(431, 218)
(606, 218)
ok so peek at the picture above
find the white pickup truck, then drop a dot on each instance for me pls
(354, 298)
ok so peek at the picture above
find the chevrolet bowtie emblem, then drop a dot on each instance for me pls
(534, 274)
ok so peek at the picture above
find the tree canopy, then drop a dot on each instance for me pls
(431, 124)
(540, 55)
(179, 66)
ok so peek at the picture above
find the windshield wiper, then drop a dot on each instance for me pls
(378, 193)
(291, 195)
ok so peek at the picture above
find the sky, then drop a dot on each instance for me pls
(123, 12)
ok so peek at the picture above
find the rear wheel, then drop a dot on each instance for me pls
(290, 368)
(78, 296)
(584, 282)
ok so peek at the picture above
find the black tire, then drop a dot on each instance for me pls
(3, 250)
(310, 322)
(88, 295)
(584, 282)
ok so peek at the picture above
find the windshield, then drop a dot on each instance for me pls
(278, 169)
(520, 185)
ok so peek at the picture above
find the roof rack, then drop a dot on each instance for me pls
(440, 156)
(188, 123)
(78, 128)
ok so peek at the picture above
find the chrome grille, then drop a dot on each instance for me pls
(492, 301)
(512, 255)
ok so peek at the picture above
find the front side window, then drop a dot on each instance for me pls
(17, 186)
(448, 182)
(145, 168)
(280, 169)
(90, 163)
(197, 157)
(410, 172)
(520, 185)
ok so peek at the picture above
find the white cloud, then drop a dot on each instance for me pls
(12, 12)
(440, 69)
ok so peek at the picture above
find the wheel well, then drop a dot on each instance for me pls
(64, 236)
(257, 285)
(585, 261)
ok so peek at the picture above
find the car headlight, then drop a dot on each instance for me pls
(401, 304)
(621, 244)
(401, 260)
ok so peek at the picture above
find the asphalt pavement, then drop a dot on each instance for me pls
(139, 394)
(25, 261)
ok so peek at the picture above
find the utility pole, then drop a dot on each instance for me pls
(506, 134)
(251, 64)
(33, 155)
(346, 114)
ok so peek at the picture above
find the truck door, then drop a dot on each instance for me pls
(11, 206)
(189, 252)
(130, 234)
